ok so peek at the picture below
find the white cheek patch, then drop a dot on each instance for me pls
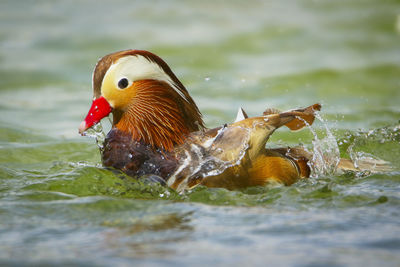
(136, 68)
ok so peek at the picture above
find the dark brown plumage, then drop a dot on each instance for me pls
(136, 158)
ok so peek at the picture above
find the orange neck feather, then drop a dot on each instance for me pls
(158, 116)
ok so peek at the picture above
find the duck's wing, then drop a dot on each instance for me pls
(231, 149)
(261, 128)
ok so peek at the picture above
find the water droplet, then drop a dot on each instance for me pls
(326, 154)
(96, 132)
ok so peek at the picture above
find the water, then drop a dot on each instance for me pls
(326, 153)
(97, 133)
(59, 206)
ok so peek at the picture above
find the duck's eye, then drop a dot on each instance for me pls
(123, 83)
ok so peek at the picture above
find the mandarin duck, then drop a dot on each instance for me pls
(158, 131)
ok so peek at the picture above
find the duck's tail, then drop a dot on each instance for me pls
(301, 159)
(366, 164)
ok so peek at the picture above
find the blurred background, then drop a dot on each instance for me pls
(253, 54)
(58, 206)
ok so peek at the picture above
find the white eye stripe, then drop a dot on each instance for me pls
(138, 67)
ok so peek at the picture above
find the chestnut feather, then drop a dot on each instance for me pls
(156, 116)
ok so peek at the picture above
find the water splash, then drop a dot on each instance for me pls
(366, 161)
(377, 141)
(326, 154)
(98, 134)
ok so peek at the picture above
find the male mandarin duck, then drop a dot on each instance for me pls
(158, 130)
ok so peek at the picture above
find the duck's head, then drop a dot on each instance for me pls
(145, 97)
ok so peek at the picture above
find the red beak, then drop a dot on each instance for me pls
(99, 109)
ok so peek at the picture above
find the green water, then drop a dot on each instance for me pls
(58, 206)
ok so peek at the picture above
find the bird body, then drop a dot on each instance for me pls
(158, 130)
